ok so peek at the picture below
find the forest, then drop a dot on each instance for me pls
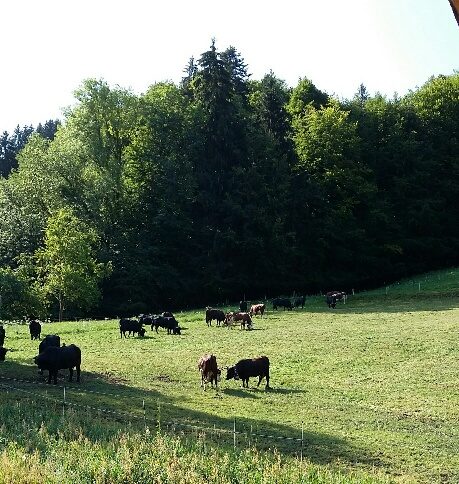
(222, 187)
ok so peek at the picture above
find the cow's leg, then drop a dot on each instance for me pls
(70, 374)
(267, 381)
(55, 376)
(49, 376)
(78, 371)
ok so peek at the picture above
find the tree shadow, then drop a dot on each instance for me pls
(112, 399)
(390, 304)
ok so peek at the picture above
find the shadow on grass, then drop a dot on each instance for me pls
(240, 393)
(106, 398)
(364, 304)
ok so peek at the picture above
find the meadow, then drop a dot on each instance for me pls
(368, 392)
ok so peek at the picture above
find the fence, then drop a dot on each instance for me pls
(238, 435)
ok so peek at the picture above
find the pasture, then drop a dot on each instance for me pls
(374, 384)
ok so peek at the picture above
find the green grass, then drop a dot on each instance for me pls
(375, 384)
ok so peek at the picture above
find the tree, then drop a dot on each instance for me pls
(67, 269)
(18, 298)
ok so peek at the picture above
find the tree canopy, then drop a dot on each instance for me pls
(224, 186)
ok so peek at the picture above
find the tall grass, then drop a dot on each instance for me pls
(42, 446)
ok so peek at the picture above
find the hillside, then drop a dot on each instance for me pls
(365, 392)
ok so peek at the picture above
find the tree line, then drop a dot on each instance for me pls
(219, 186)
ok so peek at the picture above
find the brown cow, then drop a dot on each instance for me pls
(257, 309)
(207, 365)
(244, 319)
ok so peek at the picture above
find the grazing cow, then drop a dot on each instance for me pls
(299, 301)
(244, 319)
(244, 369)
(2, 335)
(56, 358)
(168, 323)
(2, 353)
(207, 365)
(257, 309)
(282, 302)
(216, 314)
(243, 306)
(35, 329)
(131, 326)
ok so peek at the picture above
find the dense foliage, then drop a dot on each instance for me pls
(224, 186)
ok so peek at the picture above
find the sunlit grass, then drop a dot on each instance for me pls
(374, 383)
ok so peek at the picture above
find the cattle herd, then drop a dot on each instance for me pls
(54, 357)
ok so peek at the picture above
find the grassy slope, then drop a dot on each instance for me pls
(375, 381)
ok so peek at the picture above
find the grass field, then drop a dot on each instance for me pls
(374, 384)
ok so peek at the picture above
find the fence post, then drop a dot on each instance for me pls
(144, 415)
(302, 440)
(63, 405)
(159, 416)
(234, 433)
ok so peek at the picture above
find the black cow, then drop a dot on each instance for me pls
(299, 301)
(35, 329)
(208, 367)
(131, 326)
(2, 335)
(331, 300)
(2, 353)
(244, 369)
(56, 358)
(243, 306)
(49, 340)
(216, 314)
(170, 324)
(282, 302)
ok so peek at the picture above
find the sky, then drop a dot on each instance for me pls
(50, 47)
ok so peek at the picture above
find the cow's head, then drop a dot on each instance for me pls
(231, 373)
(2, 353)
(177, 330)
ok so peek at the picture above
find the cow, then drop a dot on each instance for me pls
(244, 369)
(282, 302)
(131, 326)
(243, 306)
(35, 329)
(2, 335)
(49, 340)
(168, 323)
(2, 353)
(229, 318)
(216, 314)
(210, 372)
(56, 358)
(257, 309)
(244, 319)
(299, 301)
(333, 296)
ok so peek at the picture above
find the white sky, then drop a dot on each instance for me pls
(49, 47)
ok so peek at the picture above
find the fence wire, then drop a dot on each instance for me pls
(172, 426)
